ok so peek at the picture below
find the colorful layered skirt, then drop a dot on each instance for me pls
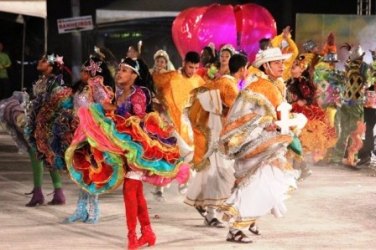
(50, 127)
(106, 146)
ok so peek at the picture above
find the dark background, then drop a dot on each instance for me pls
(156, 33)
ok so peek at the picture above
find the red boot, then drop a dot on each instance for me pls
(147, 237)
(130, 201)
(132, 241)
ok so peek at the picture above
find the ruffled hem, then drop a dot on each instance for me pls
(317, 136)
(12, 115)
(93, 170)
(54, 128)
(114, 142)
(264, 193)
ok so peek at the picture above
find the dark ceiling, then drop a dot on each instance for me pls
(283, 11)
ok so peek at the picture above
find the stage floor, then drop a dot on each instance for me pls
(335, 208)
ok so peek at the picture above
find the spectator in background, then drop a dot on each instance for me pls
(134, 52)
(265, 43)
(162, 63)
(5, 88)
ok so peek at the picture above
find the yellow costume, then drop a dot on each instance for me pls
(173, 90)
(291, 48)
(215, 178)
(254, 71)
(199, 116)
(271, 91)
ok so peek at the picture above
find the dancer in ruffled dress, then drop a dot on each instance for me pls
(113, 141)
(13, 118)
(93, 87)
(48, 129)
(317, 136)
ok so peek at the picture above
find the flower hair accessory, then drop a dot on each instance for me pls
(94, 67)
(52, 59)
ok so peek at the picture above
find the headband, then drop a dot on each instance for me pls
(135, 69)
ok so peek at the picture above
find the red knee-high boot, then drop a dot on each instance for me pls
(148, 236)
(130, 201)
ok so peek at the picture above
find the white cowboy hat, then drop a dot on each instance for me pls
(269, 55)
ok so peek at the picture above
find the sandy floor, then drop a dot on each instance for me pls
(333, 209)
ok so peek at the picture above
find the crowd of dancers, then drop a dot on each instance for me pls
(241, 133)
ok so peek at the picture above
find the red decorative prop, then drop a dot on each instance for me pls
(241, 25)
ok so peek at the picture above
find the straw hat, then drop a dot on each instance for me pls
(269, 55)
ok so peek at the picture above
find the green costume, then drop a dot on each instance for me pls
(351, 110)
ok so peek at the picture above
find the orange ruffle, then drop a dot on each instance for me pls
(83, 162)
(153, 124)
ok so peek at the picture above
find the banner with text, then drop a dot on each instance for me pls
(81, 23)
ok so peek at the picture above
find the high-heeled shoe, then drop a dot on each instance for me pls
(59, 198)
(93, 214)
(80, 214)
(37, 198)
(147, 237)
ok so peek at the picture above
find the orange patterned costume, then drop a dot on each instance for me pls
(173, 90)
(215, 178)
(199, 117)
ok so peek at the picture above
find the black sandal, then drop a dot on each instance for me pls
(214, 223)
(254, 229)
(238, 237)
(202, 211)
